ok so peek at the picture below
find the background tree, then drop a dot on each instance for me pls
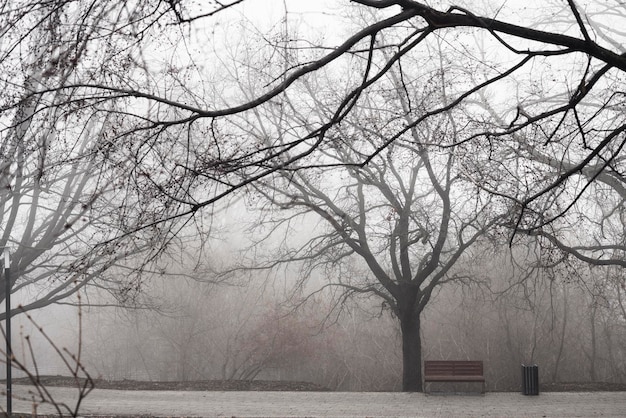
(201, 333)
(522, 311)
(72, 192)
(515, 311)
(393, 229)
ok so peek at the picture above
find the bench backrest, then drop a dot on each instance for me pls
(453, 368)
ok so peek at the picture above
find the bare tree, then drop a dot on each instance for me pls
(393, 229)
(574, 63)
(227, 333)
(71, 193)
(30, 364)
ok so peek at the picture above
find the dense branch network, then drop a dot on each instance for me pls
(165, 123)
(543, 44)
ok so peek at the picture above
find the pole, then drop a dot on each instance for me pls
(7, 289)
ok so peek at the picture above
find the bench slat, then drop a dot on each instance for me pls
(455, 379)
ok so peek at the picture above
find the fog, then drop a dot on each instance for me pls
(206, 331)
(331, 194)
(192, 322)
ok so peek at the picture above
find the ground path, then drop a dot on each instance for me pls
(273, 404)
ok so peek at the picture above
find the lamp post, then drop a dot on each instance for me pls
(7, 290)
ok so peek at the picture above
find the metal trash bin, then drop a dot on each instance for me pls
(530, 379)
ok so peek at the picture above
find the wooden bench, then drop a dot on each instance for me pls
(454, 371)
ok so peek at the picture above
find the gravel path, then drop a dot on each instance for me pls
(324, 404)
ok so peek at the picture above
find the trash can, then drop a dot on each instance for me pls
(530, 379)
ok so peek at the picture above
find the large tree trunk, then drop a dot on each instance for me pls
(411, 352)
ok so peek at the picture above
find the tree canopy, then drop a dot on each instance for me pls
(124, 116)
